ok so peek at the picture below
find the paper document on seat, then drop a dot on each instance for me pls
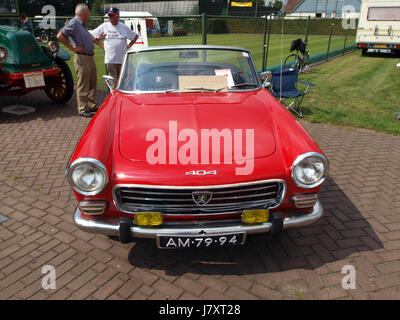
(190, 83)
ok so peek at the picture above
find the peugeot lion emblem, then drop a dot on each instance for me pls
(201, 198)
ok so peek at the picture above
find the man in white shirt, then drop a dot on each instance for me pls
(115, 35)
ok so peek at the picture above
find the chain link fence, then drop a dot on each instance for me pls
(268, 38)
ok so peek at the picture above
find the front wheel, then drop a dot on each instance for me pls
(294, 61)
(61, 88)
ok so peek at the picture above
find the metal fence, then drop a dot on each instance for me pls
(268, 38)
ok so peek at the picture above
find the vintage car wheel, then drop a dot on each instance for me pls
(60, 89)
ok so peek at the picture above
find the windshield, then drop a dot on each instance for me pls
(8, 7)
(188, 70)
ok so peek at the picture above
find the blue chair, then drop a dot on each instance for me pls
(287, 90)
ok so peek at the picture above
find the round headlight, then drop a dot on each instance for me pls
(54, 46)
(87, 176)
(309, 170)
(3, 54)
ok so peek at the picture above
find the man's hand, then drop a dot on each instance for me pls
(78, 49)
(102, 36)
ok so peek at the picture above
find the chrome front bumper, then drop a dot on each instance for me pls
(111, 226)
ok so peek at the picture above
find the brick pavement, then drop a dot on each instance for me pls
(361, 227)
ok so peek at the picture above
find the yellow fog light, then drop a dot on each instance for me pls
(148, 218)
(255, 216)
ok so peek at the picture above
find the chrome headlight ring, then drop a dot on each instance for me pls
(309, 170)
(87, 176)
(3, 54)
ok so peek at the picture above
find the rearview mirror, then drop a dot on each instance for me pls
(188, 54)
(265, 77)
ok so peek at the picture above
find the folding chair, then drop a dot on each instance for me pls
(288, 89)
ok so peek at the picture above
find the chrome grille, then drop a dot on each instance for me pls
(179, 200)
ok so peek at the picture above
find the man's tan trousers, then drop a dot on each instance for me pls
(86, 82)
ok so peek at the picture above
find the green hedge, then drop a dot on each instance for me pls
(319, 26)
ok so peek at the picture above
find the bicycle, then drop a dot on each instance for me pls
(299, 59)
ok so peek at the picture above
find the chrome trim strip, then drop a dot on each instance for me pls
(111, 226)
(193, 46)
(232, 208)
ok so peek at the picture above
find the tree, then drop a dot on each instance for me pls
(278, 4)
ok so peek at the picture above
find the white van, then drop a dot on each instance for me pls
(379, 26)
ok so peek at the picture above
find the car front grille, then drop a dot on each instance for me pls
(188, 200)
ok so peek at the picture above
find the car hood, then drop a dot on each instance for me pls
(166, 121)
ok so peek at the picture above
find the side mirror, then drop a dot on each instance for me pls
(265, 77)
(107, 79)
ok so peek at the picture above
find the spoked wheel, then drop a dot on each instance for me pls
(60, 89)
(294, 61)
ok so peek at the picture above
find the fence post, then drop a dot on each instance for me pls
(264, 43)
(307, 28)
(329, 42)
(269, 34)
(204, 27)
(345, 40)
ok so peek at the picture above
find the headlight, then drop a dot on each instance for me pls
(309, 170)
(87, 176)
(54, 47)
(3, 54)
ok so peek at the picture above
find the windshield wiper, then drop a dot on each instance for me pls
(244, 84)
(204, 89)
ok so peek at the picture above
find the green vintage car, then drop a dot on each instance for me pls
(26, 65)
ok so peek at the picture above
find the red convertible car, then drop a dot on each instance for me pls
(192, 151)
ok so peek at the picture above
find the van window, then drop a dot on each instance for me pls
(384, 14)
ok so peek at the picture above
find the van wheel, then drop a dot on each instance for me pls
(364, 52)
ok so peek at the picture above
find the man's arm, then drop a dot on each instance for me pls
(133, 42)
(63, 39)
(98, 34)
(97, 42)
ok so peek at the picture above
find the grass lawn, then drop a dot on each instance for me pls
(254, 42)
(351, 91)
(355, 91)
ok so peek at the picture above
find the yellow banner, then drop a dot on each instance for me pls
(241, 4)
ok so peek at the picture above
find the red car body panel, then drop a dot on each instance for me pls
(116, 136)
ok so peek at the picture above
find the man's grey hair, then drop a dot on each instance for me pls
(80, 9)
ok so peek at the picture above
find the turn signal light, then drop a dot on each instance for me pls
(93, 207)
(305, 200)
(255, 216)
(148, 218)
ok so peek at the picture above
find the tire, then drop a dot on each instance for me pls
(294, 61)
(364, 52)
(61, 89)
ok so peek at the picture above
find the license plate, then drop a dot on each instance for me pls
(379, 50)
(34, 79)
(380, 46)
(179, 242)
